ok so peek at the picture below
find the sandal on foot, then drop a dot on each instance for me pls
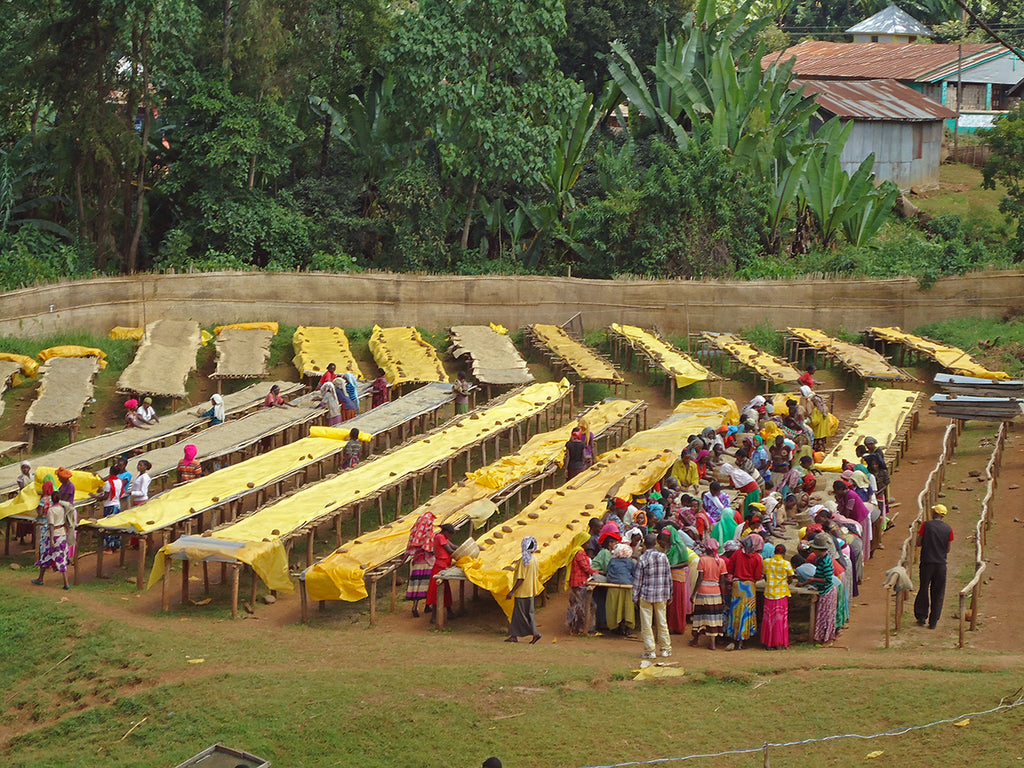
(511, 639)
(37, 582)
(535, 639)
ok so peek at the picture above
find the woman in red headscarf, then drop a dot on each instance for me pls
(420, 551)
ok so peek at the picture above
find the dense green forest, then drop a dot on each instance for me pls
(601, 137)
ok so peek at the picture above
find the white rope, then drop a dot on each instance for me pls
(1018, 701)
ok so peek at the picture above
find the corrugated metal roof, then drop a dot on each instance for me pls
(874, 61)
(891, 21)
(874, 100)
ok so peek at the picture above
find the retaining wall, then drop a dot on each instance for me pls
(434, 302)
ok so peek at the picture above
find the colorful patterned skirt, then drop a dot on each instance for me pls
(775, 623)
(743, 610)
(54, 555)
(419, 579)
(825, 620)
(708, 612)
(576, 616)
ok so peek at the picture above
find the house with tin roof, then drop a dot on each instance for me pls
(890, 25)
(988, 73)
(901, 127)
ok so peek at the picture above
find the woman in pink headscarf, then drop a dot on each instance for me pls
(189, 467)
(131, 416)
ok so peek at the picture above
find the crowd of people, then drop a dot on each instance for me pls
(715, 547)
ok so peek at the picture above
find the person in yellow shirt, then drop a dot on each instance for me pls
(525, 587)
(685, 471)
(778, 572)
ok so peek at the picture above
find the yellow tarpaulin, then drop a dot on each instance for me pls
(684, 368)
(341, 575)
(316, 347)
(587, 364)
(73, 350)
(86, 484)
(126, 332)
(949, 357)
(28, 366)
(405, 356)
(689, 418)
(885, 412)
(316, 501)
(264, 557)
(864, 361)
(775, 369)
(498, 328)
(558, 519)
(216, 488)
(271, 326)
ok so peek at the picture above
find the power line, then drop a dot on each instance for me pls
(1018, 700)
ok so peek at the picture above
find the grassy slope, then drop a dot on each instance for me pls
(961, 193)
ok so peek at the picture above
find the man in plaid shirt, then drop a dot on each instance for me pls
(652, 591)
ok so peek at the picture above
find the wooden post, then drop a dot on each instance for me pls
(186, 566)
(439, 607)
(373, 601)
(206, 578)
(963, 621)
(99, 553)
(252, 588)
(394, 590)
(165, 591)
(234, 590)
(309, 547)
(304, 599)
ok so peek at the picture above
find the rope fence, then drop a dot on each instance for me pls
(973, 587)
(1005, 704)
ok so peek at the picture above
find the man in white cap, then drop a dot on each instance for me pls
(934, 539)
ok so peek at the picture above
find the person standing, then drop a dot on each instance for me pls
(420, 551)
(934, 538)
(147, 412)
(461, 389)
(707, 595)
(652, 592)
(443, 549)
(580, 572)
(56, 548)
(778, 572)
(525, 587)
(575, 455)
(189, 468)
(111, 497)
(380, 389)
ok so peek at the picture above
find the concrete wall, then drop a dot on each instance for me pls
(435, 302)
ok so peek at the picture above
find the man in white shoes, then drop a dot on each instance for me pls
(652, 592)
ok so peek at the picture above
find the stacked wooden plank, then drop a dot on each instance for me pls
(968, 397)
(493, 358)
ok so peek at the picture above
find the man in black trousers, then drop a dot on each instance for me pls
(934, 539)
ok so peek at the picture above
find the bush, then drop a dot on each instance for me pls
(29, 256)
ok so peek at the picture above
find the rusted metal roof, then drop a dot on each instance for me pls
(918, 62)
(886, 100)
(892, 20)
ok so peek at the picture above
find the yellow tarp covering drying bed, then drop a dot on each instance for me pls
(775, 369)
(219, 487)
(316, 347)
(688, 418)
(864, 361)
(86, 483)
(73, 350)
(885, 412)
(581, 358)
(405, 356)
(29, 366)
(341, 575)
(558, 519)
(949, 357)
(686, 370)
(265, 528)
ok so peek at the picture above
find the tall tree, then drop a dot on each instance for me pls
(485, 89)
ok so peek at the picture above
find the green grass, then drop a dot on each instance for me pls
(961, 194)
(766, 338)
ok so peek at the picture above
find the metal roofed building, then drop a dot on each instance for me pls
(989, 72)
(890, 25)
(900, 126)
